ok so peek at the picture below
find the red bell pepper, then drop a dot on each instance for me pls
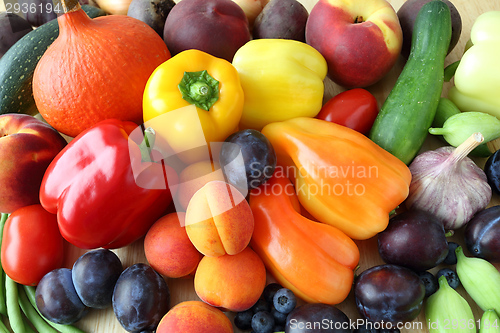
(92, 186)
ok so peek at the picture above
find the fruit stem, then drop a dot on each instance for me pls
(449, 233)
(459, 252)
(359, 19)
(443, 282)
(438, 131)
(66, 5)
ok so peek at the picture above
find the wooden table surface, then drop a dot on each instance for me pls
(104, 321)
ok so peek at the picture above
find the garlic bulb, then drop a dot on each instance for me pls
(448, 184)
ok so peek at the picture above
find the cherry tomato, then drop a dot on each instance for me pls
(32, 245)
(355, 108)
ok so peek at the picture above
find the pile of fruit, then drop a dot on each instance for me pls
(203, 137)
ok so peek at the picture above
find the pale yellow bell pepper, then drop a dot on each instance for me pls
(281, 79)
(477, 78)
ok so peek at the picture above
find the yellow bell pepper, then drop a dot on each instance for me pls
(341, 177)
(191, 90)
(281, 79)
(477, 77)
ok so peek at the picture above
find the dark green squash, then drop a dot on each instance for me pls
(18, 64)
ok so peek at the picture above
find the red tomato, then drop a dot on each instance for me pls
(32, 245)
(355, 108)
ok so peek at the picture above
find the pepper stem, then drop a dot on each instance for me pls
(438, 131)
(147, 143)
(466, 147)
(200, 89)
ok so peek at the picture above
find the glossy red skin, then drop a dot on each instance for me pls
(355, 108)
(32, 245)
(217, 27)
(27, 146)
(92, 189)
(356, 54)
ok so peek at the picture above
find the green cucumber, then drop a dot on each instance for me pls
(19, 62)
(402, 124)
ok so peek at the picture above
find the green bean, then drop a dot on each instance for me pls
(3, 304)
(13, 309)
(33, 316)
(30, 293)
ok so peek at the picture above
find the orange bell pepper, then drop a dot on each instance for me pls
(341, 177)
(314, 260)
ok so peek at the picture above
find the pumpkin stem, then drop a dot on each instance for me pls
(200, 89)
(67, 6)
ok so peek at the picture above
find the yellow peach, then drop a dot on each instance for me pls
(232, 282)
(193, 177)
(219, 220)
(168, 249)
(194, 317)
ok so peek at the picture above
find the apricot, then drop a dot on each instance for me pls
(193, 177)
(194, 317)
(168, 249)
(219, 220)
(232, 282)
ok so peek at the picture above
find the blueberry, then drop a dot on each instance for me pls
(270, 290)
(243, 319)
(279, 317)
(451, 258)
(430, 282)
(451, 277)
(284, 300)
(263, 322)
(261, 305)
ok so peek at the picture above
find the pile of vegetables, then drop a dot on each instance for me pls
(141, 107)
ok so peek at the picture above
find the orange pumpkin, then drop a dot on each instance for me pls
(96, 69)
